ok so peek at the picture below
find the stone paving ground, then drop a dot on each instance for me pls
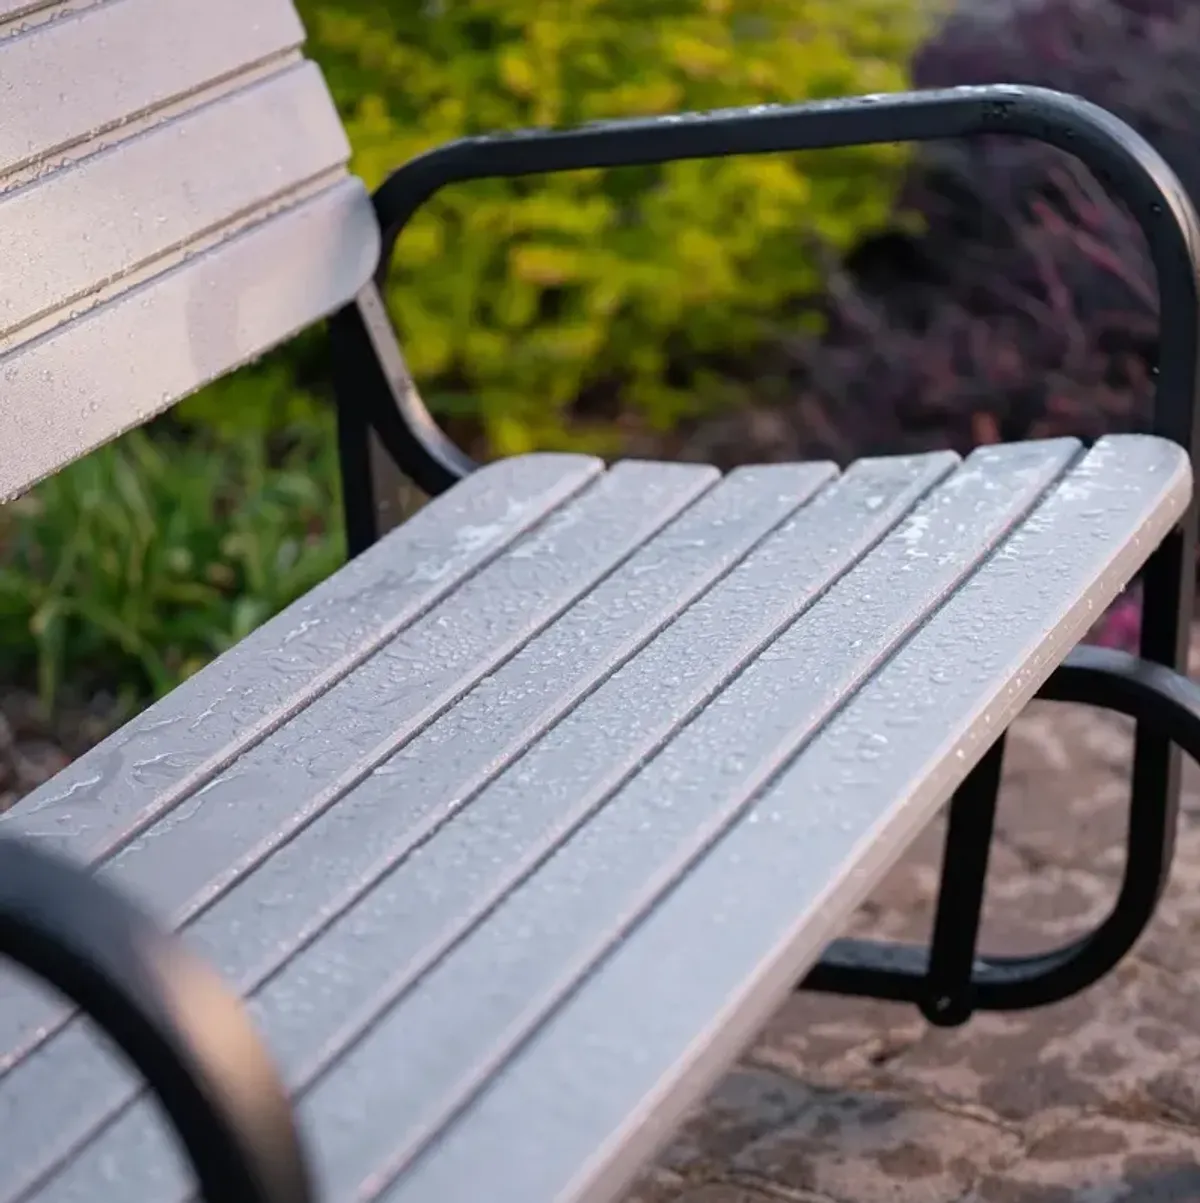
(1094, 1100)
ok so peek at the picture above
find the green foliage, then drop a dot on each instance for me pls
(266, 402)
(516, 298)
(138, 564)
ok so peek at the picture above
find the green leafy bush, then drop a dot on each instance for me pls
(516, 299)
(135, 566)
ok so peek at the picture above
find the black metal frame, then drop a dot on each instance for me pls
(191, 1038)
(947, 980)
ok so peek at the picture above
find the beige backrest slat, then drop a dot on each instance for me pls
(174, 200)
(10, 9)
(85, 228)
(73, 71)
(137, 354)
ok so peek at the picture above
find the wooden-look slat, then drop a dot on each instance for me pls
(122, 362)
(85, 227)
(153, 52)
(10, 9)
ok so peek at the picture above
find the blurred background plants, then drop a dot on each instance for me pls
(1024, 304)
(131, 569)
(551, 311)
(761, 308)
(564, 309)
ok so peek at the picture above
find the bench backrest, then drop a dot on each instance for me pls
(174, 200)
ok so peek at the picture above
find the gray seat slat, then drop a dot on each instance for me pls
(715, 635)
(180, 743)
(285, 780)
(465, 1016)
(195, 42)
(724, 948)
(92, 223)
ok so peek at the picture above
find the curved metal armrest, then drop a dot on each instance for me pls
(169, 1013)
(1120, 158)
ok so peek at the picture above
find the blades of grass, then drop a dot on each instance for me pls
(131, 641)
(141, 562)
(48, 629)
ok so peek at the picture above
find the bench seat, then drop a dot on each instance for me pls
(518, 828)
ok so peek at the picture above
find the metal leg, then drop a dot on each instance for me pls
(359, 501)
(939, 979)
(387, 435)
(373, 487)
(948, 1000)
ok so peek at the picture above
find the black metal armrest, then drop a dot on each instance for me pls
(1120, 158)
(188, 1035)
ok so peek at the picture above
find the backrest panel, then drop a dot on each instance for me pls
(82, 230)
(174, 200)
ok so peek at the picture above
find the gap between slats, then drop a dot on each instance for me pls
(21, 16)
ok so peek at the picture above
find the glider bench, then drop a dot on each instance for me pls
(507, 838)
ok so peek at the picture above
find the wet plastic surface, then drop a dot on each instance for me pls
(516, 831)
